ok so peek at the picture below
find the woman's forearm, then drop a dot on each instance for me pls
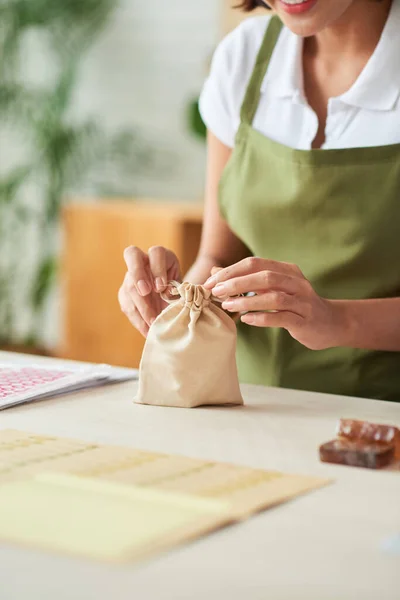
(200, 271)
(219, 247)
(369, 324)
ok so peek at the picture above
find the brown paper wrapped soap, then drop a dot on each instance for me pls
(189, 358)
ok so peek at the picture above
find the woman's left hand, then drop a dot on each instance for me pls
(313, 321)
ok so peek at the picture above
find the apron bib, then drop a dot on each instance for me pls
(334, 213)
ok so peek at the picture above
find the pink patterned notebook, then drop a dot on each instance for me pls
(24, 382)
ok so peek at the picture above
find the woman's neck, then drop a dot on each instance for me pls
(356, 33)
(334, 59)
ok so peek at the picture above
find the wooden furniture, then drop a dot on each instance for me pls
(95, 235)
(326, 545)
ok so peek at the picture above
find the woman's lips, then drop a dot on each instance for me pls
(297, 8)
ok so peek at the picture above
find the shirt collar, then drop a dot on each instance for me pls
(377, 88)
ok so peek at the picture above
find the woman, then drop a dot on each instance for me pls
(305, 107)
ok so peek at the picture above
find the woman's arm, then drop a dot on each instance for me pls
(219, 246)
(371, 324)
(149, 272)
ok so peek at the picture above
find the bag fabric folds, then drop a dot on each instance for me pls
(189, 358)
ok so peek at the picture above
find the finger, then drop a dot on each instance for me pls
(137, 262)
(261, 281)
(284, 319)
(130, 310)
(216, 270)
(147, 306)
(140, 325)
(173, 267)
(250, 265)
(275, 300)
(158, 267)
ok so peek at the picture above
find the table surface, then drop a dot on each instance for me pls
(327, 545)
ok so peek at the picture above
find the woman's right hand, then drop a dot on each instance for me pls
(147, 276)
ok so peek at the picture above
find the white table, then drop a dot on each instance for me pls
(323, 546)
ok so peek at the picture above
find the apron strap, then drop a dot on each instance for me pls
(252, 97)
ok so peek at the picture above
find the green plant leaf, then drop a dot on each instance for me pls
(65, 154)
(64, 88)
(31, 340)
(43, 282)
(195, 122)
(11, 183)
(22, 106)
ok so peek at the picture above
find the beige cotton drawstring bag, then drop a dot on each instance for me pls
(189, 358)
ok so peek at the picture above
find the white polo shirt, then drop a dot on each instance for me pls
(366, 115)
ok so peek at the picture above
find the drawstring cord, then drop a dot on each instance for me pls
(173, 287)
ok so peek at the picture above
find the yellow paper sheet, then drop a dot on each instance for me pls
(242, 491)
(102, 520)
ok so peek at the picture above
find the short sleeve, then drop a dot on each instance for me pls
(231, 68)
(215, 100)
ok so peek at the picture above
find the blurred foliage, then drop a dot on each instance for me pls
(64, 155)
(195, 121)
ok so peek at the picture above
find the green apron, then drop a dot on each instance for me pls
(334, 213)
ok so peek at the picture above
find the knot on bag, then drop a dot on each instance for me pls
(195, 297)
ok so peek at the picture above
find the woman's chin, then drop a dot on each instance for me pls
(309, 18)
(304, 27)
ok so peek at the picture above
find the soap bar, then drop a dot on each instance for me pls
(357, 453)
(369, 432)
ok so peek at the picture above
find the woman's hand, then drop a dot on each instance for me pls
(313, 321)
(147, 276)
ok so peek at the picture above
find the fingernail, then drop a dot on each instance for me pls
(219, 289)
(249, 319)
(211, 281)
(228, 304)
(160, 284)
(143, 287)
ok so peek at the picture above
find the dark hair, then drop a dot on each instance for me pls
(249, 5)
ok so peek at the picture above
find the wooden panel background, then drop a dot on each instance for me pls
(95, 236)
